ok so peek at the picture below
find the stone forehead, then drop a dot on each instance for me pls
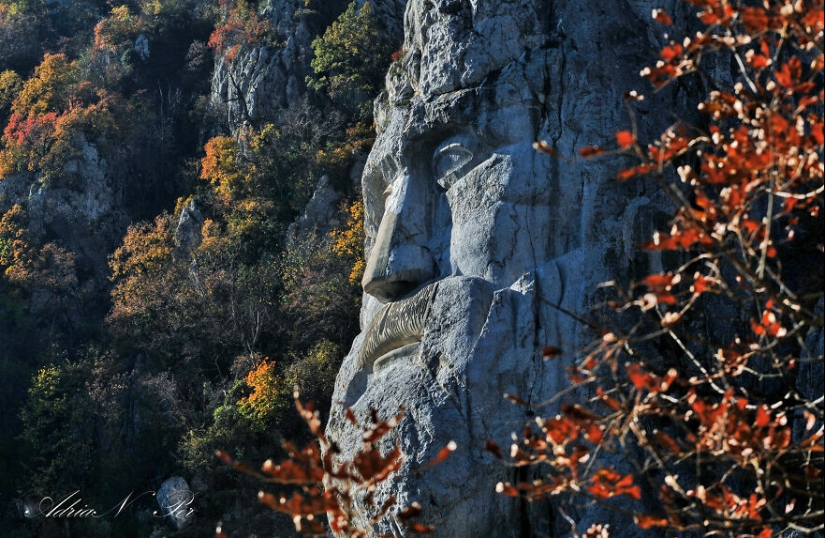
(522, 83)
(506, 107)
(455, 44)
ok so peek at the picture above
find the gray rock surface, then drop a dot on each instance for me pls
(175, 501)
(188, 232)
(461, 208)
(320, 215)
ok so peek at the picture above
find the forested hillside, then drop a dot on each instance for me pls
(177, 252)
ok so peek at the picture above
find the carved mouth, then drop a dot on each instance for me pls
(397, 325)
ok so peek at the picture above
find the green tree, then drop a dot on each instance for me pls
(58, 433)
(10, 86)
(350, 61)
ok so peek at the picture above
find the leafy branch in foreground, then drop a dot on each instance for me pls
(709, 381)
(325, 487)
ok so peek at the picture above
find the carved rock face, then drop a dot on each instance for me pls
(474, 239)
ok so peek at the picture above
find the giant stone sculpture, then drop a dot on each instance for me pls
(476, 244)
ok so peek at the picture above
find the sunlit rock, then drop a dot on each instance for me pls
(477, 244)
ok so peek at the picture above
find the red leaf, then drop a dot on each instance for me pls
(442, 454)
(544, 147)
(550, 352)
(578, 413)
(607, 483)
(625, 139)
(410, 511)
(626, 174)
(515, 399)
(700, 284)
(607, 400)
(590, 151)
(506, 489)
(757, 61)
(640, 379)
(667, 441)
(420, 528)
(493, 449)
(661, 17)
(671, 51)
(350, 416)
(763, 418)
(594, 434)
(664, 282)
(754, 19)
(635, 171)
(224, 457)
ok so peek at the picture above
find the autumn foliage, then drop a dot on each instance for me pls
(239, 26)
(329, 488)
(707, 381)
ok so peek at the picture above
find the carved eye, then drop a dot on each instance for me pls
(450, 162)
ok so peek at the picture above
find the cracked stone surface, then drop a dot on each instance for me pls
(455, 196)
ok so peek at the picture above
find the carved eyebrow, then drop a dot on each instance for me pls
(452, 143)
(449, 158)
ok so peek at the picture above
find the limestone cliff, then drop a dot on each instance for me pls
(476, 243)
(265, 79)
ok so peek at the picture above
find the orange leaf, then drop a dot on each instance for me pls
(626, 174)
(646, 521)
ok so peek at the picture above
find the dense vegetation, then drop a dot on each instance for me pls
(131, 352)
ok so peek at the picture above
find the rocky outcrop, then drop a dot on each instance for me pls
(477, 244)
(188, 232)
(89, 205)
(263, 80)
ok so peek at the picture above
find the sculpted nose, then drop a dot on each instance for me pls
(400, 260)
